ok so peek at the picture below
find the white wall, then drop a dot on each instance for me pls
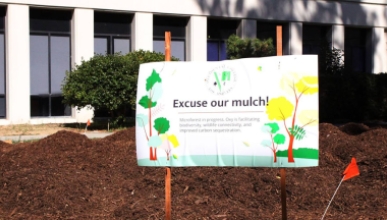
(329, 12)
(196, 38)
(142, 31)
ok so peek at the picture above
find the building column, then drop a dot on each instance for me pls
(142, 31)
(82, 49)
(247, 28)
(82, 35)
(378, 50)
(17, 32)
(338, 33)
(196, 39)
(293, 39)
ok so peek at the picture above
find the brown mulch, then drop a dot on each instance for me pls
(68, 176)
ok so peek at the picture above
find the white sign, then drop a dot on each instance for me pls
(255, 112)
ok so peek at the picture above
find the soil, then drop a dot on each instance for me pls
(68, 176)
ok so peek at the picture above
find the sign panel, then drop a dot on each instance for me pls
(255, 112)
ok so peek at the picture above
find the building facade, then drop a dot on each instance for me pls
(42, 39)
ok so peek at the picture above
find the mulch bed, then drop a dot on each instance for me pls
(68, 176)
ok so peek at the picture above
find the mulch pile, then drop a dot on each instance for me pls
(68, 176)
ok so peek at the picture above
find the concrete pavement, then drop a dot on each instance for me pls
(91, 135)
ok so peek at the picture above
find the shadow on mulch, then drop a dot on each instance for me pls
(68, 176)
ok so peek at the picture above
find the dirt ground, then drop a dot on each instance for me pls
(68, 176)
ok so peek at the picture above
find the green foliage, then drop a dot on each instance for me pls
(306, 153)
(104, 82)
(243, 48)
(331, 60)
(355, 97)
(161, 125)
(298, 132)
(107, 82)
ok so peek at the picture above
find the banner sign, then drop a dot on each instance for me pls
(254, 112)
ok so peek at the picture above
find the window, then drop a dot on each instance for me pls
(112, 32)
(176, 25)
(218, 32)
(314, 38)
(50, 59)
(2, 64)
(355, 49)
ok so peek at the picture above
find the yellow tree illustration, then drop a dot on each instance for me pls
(281, 109)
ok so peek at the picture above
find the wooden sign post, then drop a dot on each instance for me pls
(168, 169)
(282, 170)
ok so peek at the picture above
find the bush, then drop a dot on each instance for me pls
(243, 48)
(107, 82)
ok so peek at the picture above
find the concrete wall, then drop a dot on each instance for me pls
(366, 12)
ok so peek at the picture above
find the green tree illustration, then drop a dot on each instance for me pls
(281, 108)
(154, 90)
(275, 139)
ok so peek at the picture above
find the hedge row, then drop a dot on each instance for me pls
(353, 97)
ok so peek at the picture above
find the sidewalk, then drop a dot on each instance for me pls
(90, 135)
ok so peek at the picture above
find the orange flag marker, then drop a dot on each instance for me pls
(352, 170)
(88, 123)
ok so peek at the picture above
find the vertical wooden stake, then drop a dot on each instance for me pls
(282, 170)
(168, 169)
(279, 40)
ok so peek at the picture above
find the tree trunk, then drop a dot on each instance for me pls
(150, 153)
(290, 150)
(153, 153)
(275, 156)
(167, 156)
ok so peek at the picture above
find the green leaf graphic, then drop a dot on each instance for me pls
(175, 156)
(298, 132)
(274, 127)
(161, 125)
(279, 139)
(146, 102)
(152, 79)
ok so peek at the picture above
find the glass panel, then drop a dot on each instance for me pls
(2, 66)
(2, 106)
(176, 25)
(221, 29)
(39, 105)
(2, 77)
(58, 108)
(212, 51)
(223, 50)
(39, 65)
(159, 46)
(50, 20)
(60, 62)
(100, 45)
(121, 45)
(112, 23)
(178, 49)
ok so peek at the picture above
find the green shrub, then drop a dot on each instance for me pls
(243, 48)
(107, 82)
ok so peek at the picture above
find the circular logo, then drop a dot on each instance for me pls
(221, 80)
